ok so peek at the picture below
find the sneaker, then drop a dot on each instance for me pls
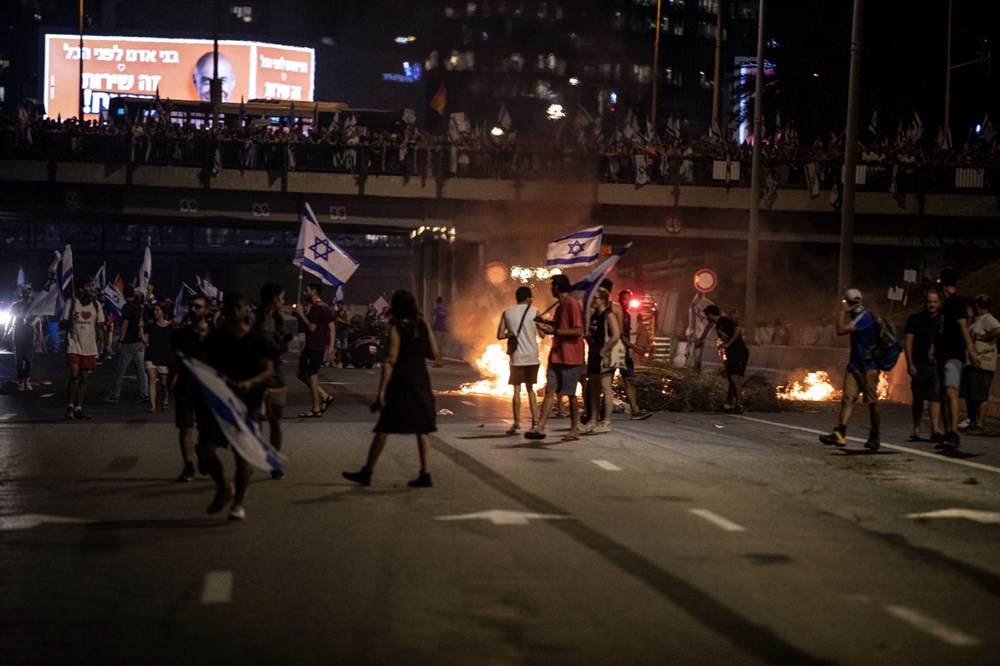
(834, 439)
(950, 442)
(738, 409)
(222, 497)
(586, 428)
(109, 398)
(187, 475)
(277, 474)
(872, 443)
(422, 481)
(70, 413)
(640, 415)
(237, 512)
(513, 430)
(601, 427)
(975, 429)
(726, 409)
(79, 415)
(142, 399)
(937, 436)
(362, 476)
(964, 425)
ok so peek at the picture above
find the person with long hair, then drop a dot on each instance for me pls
(156, 334)
(404, 402)
(604, 333)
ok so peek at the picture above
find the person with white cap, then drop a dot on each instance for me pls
(862, 373)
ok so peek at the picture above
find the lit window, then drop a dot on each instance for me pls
(242, 13)
(470, 9)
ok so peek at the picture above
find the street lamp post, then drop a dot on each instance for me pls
(846, 265)
(80, 116)
(753, 231)
(656, 60)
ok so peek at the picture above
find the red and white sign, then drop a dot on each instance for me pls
(177, 69)
(705, 280)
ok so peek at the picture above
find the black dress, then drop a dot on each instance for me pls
(409, 403)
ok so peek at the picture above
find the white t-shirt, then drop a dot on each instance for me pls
(987, 351)
(527, 339)
(81, 338)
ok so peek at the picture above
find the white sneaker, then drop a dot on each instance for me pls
(601, 427)
(237, 512)
(586, 428)
(513, 430)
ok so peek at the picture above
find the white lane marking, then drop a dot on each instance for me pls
(502, 517)
(7, 417)
(718, 520)
(897, 447)
(29, 521)
(470, 404)
(218, 588)
(935, 628)
(604, 464)
(970, 514)
(46, 395)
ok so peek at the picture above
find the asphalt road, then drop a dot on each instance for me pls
(682, 539)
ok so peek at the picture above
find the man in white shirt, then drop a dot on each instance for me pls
(518, 323)
(83, 319)
(977, 379)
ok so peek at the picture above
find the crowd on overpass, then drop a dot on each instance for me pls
(577, 150)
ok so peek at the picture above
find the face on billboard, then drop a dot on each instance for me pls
(178, 69)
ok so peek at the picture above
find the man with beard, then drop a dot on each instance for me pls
(188, 341)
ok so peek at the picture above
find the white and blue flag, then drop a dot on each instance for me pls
(180, 303)
(66, 268)
(114, 300)
(20, 277)
(208, 289)
(145, 271)
(577, 249)
(316, 254)
(100, 279)
(585, 288)
(238, 425)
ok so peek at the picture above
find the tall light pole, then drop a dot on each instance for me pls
(656, 61)
(718, 60)
(80, 117)
(753, 232)
(846, 266)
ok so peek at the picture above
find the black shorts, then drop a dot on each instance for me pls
(184, 410)
(736, 366)
(926, 385)
(310, 361)
(629, 371)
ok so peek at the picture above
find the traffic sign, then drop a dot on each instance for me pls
(705, 280)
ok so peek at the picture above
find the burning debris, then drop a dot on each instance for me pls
(817, 387)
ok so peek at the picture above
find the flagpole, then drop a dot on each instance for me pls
(845, 268)
(753, 229)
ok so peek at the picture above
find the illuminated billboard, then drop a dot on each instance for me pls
(173, 68)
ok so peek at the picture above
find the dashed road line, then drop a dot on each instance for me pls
(932, 626)
(718, 520)
(218, 588)
(604, 464)
(470, 404)
(896, 447)
(46, 395)
(7, 417)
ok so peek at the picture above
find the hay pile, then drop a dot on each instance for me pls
(682, 390)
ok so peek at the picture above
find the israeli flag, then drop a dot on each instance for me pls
(46, 302)
(145, 271)
(100, 278)
(237, 424)
(20, 277)
(577, 249)
(66, 269)
(316, 254)
(180, 303)
(585, 288)
(113, 299)
(208, 289)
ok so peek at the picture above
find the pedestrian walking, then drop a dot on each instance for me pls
(405, 402)
(440, 327)
(131, 350)
(918, 343)
(735, 356)
(156, 335)
(188, 340)
(22, 333)
(977, 379)
(517, 326)
(244, 358)
(861, 377)
(953, 346)
(271, 325)
(320, 334)
(566, 359)
(83, 319)
(603, 335)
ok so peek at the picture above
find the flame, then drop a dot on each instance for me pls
(816, 386)
(494, 367)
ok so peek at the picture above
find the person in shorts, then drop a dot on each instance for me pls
(566, 359)
(953, 346)
(862, 373)
(321, 331)
(918, 342)
(271, 325)
(188, 340)
(976, 380)
(83, 319)
(628, 374)
(735, 354)
(518, 321)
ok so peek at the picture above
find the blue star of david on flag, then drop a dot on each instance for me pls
(317, 254)
(580, 248)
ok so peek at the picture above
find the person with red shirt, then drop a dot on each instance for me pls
(321, 331)
(566, 359)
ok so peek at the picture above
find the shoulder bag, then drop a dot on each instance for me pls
(512, 339)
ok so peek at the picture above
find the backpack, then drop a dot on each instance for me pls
(887, 348)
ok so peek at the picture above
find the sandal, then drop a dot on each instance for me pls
(310, 415)
(326, 405)
(531, 434)
(570, 438)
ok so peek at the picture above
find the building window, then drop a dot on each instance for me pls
(678, 28)
(705, 82)
(672, 76)
(706, 30)
(470, 9)
(641, 73)
(676, 3)
(512, 63)
(543, 11)
(708, 6)
(618, 21)
(461, 61)
(242, 13)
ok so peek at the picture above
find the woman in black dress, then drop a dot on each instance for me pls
(404, 393)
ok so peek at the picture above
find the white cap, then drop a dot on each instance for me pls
(852, 296)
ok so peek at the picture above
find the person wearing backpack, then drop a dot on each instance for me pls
(862, 373)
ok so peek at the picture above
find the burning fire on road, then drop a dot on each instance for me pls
(816, 387)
